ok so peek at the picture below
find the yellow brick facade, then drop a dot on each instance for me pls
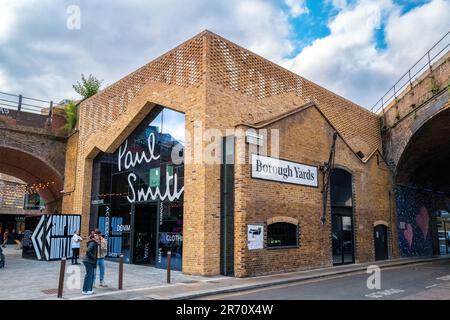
(224, 86)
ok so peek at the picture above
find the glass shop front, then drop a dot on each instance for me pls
(137, 192)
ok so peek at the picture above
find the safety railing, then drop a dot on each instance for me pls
(424, 63)
(21, 103)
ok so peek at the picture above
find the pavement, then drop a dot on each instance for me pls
(31, 279)
(27, 279)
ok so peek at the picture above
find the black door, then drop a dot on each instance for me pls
(342, 234)
(144, 233)
(381, 242)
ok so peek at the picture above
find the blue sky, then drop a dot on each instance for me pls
(356, 48)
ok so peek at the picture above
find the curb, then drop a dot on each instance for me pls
(242, 288)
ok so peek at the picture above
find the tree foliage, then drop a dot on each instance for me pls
(71, 115)
(88, 86)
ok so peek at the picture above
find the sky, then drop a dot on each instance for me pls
(356, 48)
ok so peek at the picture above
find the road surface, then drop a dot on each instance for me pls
(419, 281)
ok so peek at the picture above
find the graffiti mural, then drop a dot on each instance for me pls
(414, 209)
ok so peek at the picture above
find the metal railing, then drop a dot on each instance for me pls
(21, 103)
(425, 62)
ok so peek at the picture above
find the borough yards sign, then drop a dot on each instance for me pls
(128, 160)
(274, 169)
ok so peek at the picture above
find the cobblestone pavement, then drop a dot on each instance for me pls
(25, 279)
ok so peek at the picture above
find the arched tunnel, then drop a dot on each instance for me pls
(422, 179)
(33, 171)
(425, 162)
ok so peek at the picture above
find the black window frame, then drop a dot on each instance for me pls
(286, 246)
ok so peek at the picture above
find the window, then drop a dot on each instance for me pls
(138, 231)
(282, 234)
(33, 201)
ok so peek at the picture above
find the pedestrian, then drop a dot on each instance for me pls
(75, 244)
(18, 240)
(90, 262)
(5, 238)
(102, 251)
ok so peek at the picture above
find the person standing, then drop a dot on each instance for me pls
(90, 262)
(75, 244)
(5, 238)
(102, 251)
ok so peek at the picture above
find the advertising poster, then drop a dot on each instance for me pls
(255, 236)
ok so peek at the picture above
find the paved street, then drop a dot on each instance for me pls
(419, 281)
(27, 279)
(31, 279)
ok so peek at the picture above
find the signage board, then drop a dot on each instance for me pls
(154, 177)
(278, 170)
(255, 236)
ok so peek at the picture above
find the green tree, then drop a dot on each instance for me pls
(88, 86)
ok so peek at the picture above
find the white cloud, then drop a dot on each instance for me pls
(7, 15)
(3, 81)
(348, 60)
(264, 29)
(297, 7)
(339, 4)
(40, 57)
(117, 37)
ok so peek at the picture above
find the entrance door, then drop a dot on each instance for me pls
(342, 233)
(144, 233)
(381, 242)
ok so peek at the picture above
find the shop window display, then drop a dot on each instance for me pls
(137, 191)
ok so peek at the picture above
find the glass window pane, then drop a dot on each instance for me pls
(143, 178)
(281, 234)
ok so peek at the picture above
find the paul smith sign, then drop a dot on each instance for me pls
(128, 160)
(283, 171)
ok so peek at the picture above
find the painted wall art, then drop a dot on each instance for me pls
(414, 210)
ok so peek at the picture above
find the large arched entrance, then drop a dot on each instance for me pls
(33, 170)
(422, 180)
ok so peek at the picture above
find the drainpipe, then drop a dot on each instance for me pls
(327, 170)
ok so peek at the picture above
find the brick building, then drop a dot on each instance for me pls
(15, 204)
(229, 208)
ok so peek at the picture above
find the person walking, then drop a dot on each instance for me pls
(75, 244)
(102, 252)
(5, 238)
(90, 262)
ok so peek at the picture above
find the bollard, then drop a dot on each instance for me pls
(169, 258)
(62, 271)
(121, 272)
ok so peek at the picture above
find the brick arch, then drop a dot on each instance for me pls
(424, 159)
(286, 219)
(381, 222)
(32, 169)
(404, 122)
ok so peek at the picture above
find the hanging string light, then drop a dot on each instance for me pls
(39, 186)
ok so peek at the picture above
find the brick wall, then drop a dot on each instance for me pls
(11, 195)
(220, 84)
(306, 138)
